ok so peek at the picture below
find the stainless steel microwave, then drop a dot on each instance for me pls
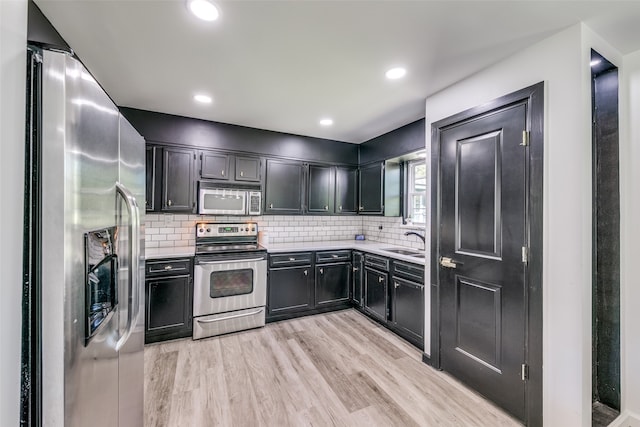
(229, 201)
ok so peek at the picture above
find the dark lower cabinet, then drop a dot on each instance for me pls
(332, 283)
(357, 279)
(290, 290)
(408, 310)
(376, 294)
(168, 299)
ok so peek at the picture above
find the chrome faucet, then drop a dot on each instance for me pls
(424, 241)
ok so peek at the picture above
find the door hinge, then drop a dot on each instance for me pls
(525, 254)
(524, 372)
(525, 138)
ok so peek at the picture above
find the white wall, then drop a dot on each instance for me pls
(630, 212)
(13, 36)
(562, 62)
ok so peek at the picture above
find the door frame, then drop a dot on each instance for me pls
(533, 98)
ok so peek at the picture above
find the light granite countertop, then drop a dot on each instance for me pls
(363, 245)
(172, 252)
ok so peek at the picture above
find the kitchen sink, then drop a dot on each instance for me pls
(400, 251)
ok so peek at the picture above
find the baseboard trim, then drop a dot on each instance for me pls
(626, 419)
(426, 359)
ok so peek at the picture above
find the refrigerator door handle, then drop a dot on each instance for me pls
(134, 254)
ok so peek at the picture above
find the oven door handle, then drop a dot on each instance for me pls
(230, 261)
(235, 316)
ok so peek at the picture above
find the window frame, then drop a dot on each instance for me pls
(409, 192)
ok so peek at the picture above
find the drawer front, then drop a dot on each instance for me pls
(333, 256)
(167, 267)
(290, 259)
(409, 271)
(377, 262)
(224, 323)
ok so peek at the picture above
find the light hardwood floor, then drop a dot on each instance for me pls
(337, 369)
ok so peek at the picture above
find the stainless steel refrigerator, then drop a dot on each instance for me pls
(85, 192)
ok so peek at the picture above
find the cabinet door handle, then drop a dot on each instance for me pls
(322, 271)
(326, 208)
(306, 273)
(340, 207)
(169, 202)
(222, 172)
(396, 285)
(271, 206)
(361, 208)
(241, 173)
(355, 269)
(380, 279)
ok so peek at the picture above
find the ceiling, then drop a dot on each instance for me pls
(284, 65)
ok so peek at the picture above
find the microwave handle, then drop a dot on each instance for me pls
(134, 262)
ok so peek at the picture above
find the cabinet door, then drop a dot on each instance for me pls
(332, 283)
(320, 189)
(290, 290)
(371, 196)
(178, 180)
(346, 200)
(168, 308)
(247, 169)
(214, 165)
(283, 189)
(408, 309)
(150, 177)
(356, 288)
(375, 301)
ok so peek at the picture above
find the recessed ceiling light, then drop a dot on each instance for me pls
(396, 73)
(595, 62)
(204, 99)
(203, 9)
(326, 122)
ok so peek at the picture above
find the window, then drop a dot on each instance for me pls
(416, 193)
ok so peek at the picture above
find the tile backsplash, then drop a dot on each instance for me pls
(167, 230)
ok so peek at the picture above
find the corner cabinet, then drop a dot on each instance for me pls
(346, 193)
(178, 183)
(283, 187)
(370, 182)
(168, 299)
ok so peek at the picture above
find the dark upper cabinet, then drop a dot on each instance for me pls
(376, 293)
(284, 187)
(320, 189)
(214, 165)
(247, 169)
(178, 184)
(168, 300)
(346, 192)
(371, 189)
(150, 177)
(332, 283)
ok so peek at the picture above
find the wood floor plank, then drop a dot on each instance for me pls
(333, 369)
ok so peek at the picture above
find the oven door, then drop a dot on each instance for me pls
(223, 285)
(222, 202)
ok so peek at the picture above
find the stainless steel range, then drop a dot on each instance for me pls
(230, 279)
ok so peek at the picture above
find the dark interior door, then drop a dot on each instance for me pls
(482, 230)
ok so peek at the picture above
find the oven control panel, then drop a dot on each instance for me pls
(210, 229)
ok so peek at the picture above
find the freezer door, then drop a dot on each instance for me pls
(79, 170)
(131, 351)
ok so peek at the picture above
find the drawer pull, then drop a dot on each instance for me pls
(235, 316)
(334, 256)
(168, 267)
(292, 259)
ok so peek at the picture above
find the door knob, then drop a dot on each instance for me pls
(448, 262)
